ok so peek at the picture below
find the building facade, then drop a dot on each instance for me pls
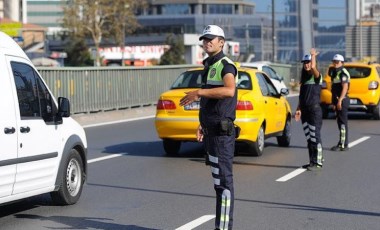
(363, 34)
(280, 31)
(300, 25)
(46, 13)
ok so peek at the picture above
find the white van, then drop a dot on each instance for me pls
(43, 150)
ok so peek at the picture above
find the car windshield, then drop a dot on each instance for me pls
(193, 79)
(356, 71)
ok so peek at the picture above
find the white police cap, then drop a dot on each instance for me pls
(307, 57)
(338, 57)
(212, 31)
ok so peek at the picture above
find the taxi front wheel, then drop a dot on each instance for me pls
(284, 139)
(171, 147)
(256, 148)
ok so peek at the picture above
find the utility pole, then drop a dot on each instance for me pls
(274, 34)
(124, 14)
(247, 39)
(360, 31)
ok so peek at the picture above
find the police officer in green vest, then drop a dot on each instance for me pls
(340, 80)
(309, 109)
(218, 98)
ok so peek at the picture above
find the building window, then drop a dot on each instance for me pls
(176, 9)
(220, 9)
(248, 10)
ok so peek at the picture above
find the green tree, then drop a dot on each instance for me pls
(78, 53)
(98, 19)
(175, 54)
(126, 20)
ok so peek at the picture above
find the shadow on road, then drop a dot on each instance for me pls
(154, 149)
(81, 222)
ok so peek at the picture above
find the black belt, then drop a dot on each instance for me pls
(212, 131)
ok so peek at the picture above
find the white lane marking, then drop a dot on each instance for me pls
(116, 122)
(195, 223)
(291, 175)
(301, 170)
(106, 158)
(352, 144)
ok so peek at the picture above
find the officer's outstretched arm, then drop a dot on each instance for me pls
(228, 90)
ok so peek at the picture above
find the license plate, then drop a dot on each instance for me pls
(353, 101)
(193, 106)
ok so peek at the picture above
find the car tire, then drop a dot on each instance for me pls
(171, 147)
(376, 112)
(256, 148)
(71, 181)
(325, 111)
(284, 139)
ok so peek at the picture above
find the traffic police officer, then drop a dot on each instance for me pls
(218, 98)
(340, 79)
(309, 109)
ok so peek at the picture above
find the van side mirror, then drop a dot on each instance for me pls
(63, 107)
(284, 91)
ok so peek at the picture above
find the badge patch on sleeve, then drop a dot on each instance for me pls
(344, 78)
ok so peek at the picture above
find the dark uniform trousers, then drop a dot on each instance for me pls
(220, 152)
(342, 120)
(311, 117)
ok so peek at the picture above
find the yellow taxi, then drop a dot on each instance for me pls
(364, 91)
(261, 111)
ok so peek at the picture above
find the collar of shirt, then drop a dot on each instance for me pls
(211, 60)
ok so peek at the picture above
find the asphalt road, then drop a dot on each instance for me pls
(132, 185)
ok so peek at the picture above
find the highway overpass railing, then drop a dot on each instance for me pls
(96, 89)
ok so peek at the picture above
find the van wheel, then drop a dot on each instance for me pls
(257, 147)
(171, 147)
(284, 139)
(71, 181)
(376, 112)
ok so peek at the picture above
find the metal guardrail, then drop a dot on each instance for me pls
(92, 89)
(110, 88)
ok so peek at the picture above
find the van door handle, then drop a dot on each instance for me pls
(9, 130)
(25, 129)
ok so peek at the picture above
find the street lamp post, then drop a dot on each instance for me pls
(274, 33)
(123, 48)
(360, 31)
(124, 14)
